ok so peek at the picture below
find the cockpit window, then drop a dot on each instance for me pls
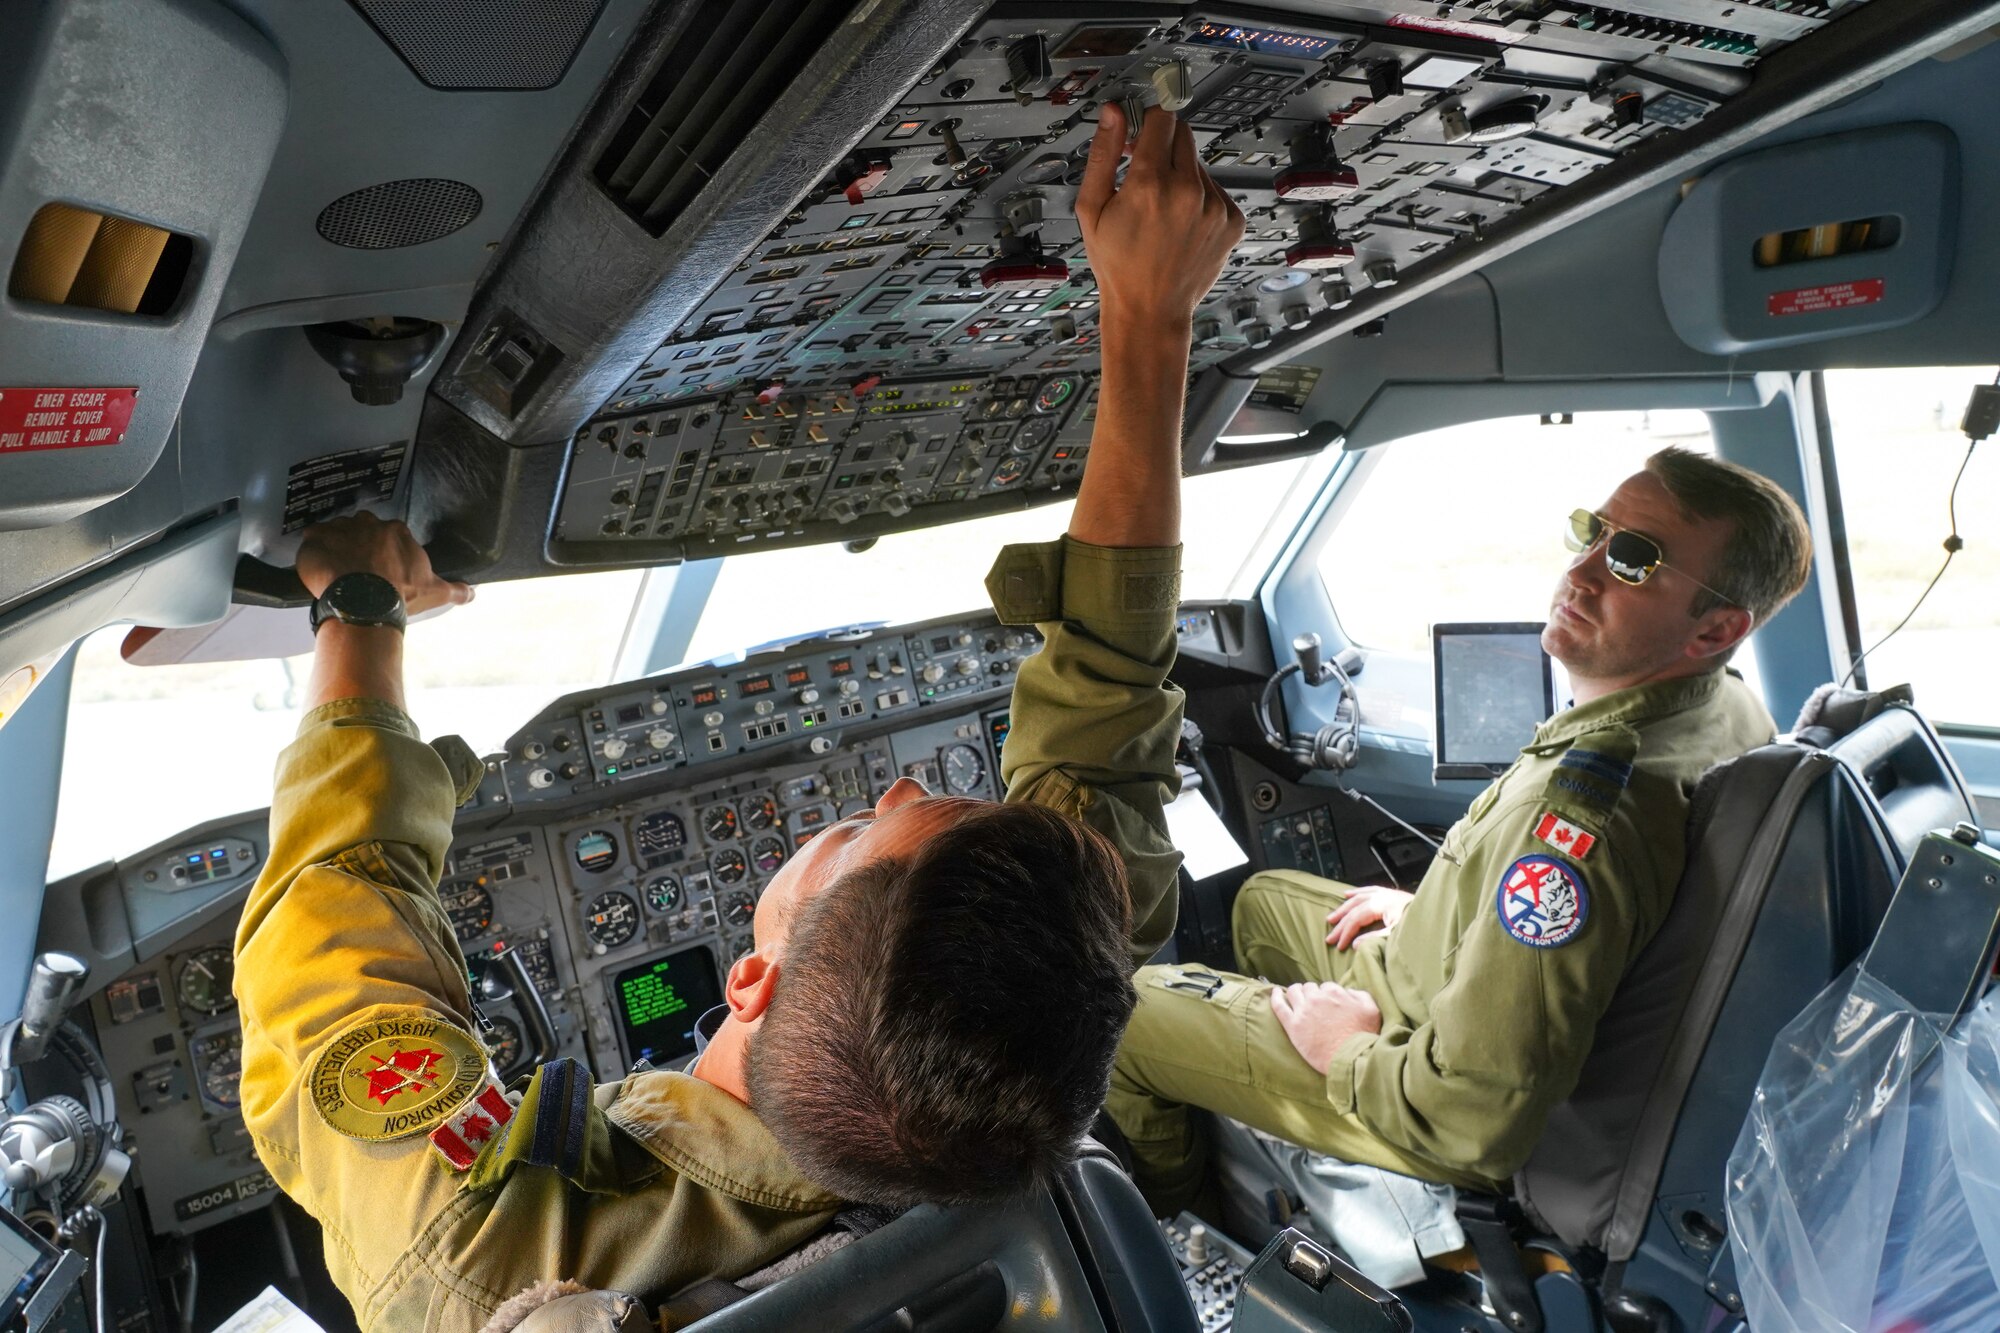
(939, 571)
(1466, 523)
(1896, 446)
(152, 750)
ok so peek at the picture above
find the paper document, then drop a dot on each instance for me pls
(1203, 840)
(270, 1312)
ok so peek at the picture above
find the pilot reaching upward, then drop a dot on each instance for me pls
(1430, 1034)
(888, 1040)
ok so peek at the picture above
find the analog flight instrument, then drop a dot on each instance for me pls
(204, 979)
(611, 919)
(729, 866)
(719, 822)
(963, 769)
(469, 907)
(663, 893)
(767, 854)
(659, 836)
(596, 851)
(503, 1043)
(739, 909)
(218, 1060)
(759, 812)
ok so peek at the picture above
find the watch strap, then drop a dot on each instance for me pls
(360, 598)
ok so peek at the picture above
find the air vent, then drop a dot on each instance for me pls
(399, 213)
(710, 90)
(484, 45)
(78, 257)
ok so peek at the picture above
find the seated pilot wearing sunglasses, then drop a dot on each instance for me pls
(1430, 1034)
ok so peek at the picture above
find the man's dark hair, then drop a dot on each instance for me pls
(1769, 552)
(943, 1026)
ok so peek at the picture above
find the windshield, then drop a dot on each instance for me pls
(154, 749)
(1225, 517)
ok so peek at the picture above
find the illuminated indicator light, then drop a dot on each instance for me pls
(194, 859)
(611, 770)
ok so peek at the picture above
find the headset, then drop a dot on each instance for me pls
(1335, 746)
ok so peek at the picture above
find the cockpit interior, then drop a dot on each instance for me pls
(721, 345)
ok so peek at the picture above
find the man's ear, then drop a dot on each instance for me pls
(1721, 630)
(753, 980)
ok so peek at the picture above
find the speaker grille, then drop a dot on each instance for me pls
(486, 45)
(399, 213)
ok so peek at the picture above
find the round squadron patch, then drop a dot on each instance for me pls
(391, 1078)
(1543, 901)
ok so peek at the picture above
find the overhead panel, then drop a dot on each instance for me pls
(889, 355)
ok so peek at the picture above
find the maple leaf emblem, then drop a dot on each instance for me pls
(477, 1128)
(1563, 835)
(403, 1071)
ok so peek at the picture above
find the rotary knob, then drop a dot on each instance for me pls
(539, 778)
(808, 695)
(963, 639)
(850, 687)
(968, 666)
(659, 738)
(659, 707)
(711, 719)
(614, 748)
(763, 708)
(533, 750)
(932, 673)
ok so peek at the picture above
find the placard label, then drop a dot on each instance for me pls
(32, 419)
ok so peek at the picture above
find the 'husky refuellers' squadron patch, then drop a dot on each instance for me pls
(392, 1078)
(1542, 901)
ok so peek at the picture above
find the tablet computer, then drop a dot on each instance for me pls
(1493, 685)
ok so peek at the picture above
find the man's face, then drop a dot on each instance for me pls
(1611, 634)
(902, 821)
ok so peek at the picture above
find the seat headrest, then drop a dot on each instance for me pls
(1833, 712)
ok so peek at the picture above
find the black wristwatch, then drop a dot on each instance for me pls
(360, 599)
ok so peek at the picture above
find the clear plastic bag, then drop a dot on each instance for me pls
(1864, 1190)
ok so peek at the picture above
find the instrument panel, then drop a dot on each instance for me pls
(618, 847)
(921, 330)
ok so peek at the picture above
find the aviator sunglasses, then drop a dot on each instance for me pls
(1632, 557)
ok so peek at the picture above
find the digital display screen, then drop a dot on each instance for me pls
(997, 727)
(658, 1001)
(704, 695)
(1494, 687)
(755, 685)
(841, 666)
(941, 644)
(26, 1260)
(1270, 41)
(630, 713)
(798, 676)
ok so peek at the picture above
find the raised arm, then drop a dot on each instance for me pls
(1095, 719)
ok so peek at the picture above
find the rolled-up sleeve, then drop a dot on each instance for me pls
(1095, 720)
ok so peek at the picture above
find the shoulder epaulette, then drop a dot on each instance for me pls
(1591, 776)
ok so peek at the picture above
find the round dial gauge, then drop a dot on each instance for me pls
(719, 822)
(1044, 170)
(220, 1061)
(596, 851)
(503, 1043)
(738, 909)
(760, 812)
(767, 854)
(729, 866)
(1055, 393)
(611, 919)
(204, 980)
(469, 906)
(964, 770)
(663, 894)
(1010, 471)
(1034, 433)
(659, 835)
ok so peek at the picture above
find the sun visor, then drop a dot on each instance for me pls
(134, 140)
(1824, 238)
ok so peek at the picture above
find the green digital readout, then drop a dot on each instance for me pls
(659, 1000)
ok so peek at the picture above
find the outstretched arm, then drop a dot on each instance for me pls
(351, 661)
(1156, 244)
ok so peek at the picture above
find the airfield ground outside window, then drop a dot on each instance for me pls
(1466, 523)
(1896, 445)
(152, 750)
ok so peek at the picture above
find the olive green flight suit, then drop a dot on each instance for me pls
(1485, 1026)
(661, 1180)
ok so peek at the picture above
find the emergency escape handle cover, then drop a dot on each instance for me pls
(259, 583)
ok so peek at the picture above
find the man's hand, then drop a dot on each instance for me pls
(1157, 242)
(358, 662)
(363, 543)
(1365, 907)
(1319, 1015)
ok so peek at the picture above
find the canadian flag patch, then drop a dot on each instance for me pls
(1564, 836)
(460, 1139)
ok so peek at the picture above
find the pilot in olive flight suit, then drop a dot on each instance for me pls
(1445, 1039)
(442, 1197)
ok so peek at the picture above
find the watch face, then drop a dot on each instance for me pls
(364, 598)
